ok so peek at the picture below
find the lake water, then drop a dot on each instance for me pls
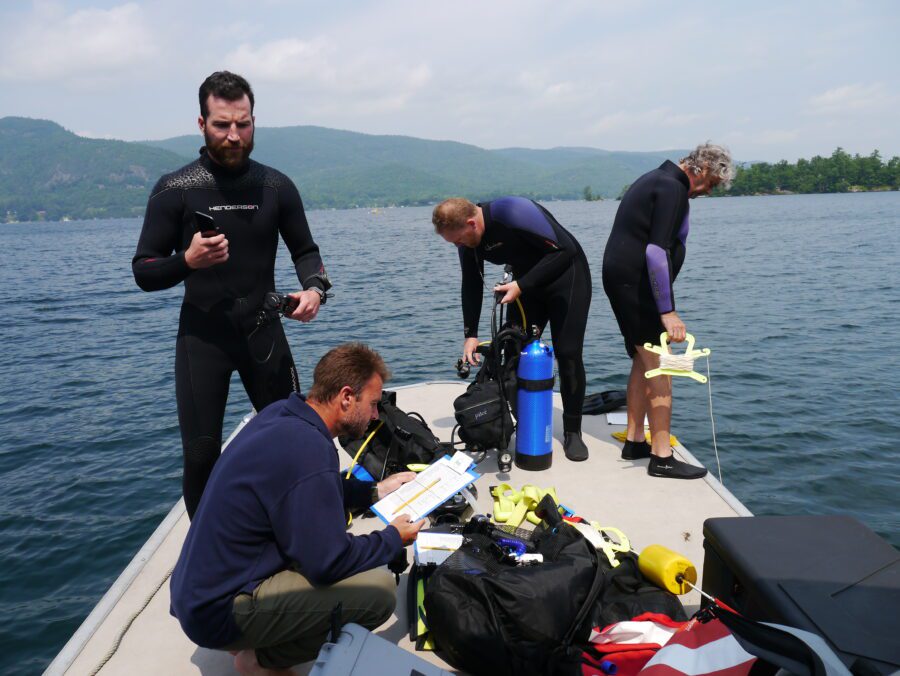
(797, 297)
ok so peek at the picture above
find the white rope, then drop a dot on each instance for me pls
(128, 623)
(712, 419)
(680, 362)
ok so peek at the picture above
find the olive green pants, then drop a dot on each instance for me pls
(286, 620)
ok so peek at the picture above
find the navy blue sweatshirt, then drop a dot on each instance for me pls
(274, 501)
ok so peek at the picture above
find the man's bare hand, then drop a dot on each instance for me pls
(510, 292)
(674, 326)
(393, 482)
(204, 252)
(307, 305)
(408, 530)
(469, 354)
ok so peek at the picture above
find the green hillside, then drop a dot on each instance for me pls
(335, 168)
(48, 172)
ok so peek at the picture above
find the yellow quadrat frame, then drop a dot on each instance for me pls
(663, 351)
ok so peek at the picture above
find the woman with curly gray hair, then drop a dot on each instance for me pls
(645, 251)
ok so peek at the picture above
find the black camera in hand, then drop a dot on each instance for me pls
(278, 304)
(462, 368)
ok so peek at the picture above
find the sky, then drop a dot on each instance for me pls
(771, 80)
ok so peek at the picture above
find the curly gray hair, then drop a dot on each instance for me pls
(712, 158)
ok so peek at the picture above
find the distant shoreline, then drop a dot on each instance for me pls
(781, 193)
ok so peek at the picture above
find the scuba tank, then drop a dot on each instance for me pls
(534, 432)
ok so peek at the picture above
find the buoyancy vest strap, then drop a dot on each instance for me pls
(536, 385)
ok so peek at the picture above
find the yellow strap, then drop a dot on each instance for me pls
(612, 547)
(513, 507)
(621, 435)
(362, 448)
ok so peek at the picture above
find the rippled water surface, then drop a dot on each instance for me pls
(797, 297)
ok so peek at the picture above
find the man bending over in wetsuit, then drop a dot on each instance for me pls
(226, 272)
(551, 277)
(268, 555)
(644, 253)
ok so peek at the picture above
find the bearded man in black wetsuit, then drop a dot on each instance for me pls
(552, 278)
(644, 254)
(226, 272)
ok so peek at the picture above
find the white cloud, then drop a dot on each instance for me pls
(370, 82)
(85, 45)
(852, 98)
(629, 120)
(767, 137)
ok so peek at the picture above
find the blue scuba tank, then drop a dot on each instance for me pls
(534, 431)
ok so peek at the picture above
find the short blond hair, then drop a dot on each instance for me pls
(451, 214)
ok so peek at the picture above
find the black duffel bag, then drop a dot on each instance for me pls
(487, 616)
(627, 593)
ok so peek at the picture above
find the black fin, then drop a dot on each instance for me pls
(603, 402)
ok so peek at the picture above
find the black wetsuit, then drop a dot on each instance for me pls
(220, 329)
(552, 271)
(645, 251)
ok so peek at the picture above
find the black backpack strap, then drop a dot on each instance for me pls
(596, 588)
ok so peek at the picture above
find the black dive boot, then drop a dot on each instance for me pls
(636, 450)
(574, 447)
(670, 468)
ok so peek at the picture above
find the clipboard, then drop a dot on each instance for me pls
(431, 488)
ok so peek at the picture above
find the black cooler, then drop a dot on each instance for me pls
(830, 575)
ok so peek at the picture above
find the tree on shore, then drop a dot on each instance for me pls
(839, 173)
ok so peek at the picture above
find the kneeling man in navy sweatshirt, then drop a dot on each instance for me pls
(267, 556)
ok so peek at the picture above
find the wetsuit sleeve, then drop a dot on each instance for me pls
(309, 526)
(154, 265)
(555, 261)
(472, 290)
(294, 230)
(667, 204)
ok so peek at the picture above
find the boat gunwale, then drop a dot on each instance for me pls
(79, 640)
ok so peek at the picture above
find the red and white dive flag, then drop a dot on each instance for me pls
(700, 649)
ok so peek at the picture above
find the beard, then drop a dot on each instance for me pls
(356, 426)
(227, 155)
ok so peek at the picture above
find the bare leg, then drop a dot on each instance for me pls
(659, 399)
(246, 664)
(636, 397)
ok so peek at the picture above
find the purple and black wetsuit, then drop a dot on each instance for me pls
(645, 252)
(555, 279)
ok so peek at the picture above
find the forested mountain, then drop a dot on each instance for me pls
(48, 172)
(335, 168)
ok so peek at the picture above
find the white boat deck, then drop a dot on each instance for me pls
(605, 488)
